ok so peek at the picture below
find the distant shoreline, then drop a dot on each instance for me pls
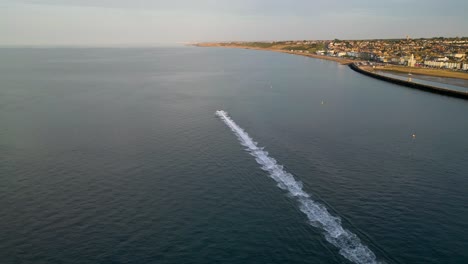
(315, 56)
(353, 64)
(390, 68)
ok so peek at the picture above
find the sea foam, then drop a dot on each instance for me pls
(349, 244)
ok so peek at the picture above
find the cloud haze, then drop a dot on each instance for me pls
(149, 22)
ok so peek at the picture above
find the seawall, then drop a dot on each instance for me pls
(423, 87)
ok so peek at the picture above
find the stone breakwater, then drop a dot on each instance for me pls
(423, 87)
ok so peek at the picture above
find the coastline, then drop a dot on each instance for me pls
(353, 64)
(390, 68)
(315, 56)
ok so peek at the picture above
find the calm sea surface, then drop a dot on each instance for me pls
(116, 156)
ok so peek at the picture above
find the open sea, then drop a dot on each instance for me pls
(120, 155)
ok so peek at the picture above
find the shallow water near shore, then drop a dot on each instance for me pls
(116, 156)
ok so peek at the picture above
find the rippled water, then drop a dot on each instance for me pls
(116, 156)
(349, 244)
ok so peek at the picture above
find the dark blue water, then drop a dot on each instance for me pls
(116, 156)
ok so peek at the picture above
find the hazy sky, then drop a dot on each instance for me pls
(148, 22)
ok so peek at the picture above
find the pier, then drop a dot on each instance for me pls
(419, 86)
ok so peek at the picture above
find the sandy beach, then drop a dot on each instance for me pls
(225, 45)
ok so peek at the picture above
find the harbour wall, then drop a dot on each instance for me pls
(423, 87)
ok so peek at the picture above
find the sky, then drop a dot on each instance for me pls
(155, 22)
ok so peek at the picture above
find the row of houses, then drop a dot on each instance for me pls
(352, 54)
(454, 48)
(446, 64)
(438, 62)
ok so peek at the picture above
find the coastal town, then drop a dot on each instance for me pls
(438, 57)
(438, 53)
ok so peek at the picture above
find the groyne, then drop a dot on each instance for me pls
(419, 86)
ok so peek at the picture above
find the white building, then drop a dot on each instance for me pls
(435, 64)
(442, 64)
(452, 65)
(402, 61)
(442, 59)
(411, 61)
(352, 54)
(382, 59)
(395, 60)
(341, 54)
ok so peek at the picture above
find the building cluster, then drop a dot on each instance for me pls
(450, 53)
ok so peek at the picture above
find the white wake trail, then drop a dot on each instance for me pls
(348, 243)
